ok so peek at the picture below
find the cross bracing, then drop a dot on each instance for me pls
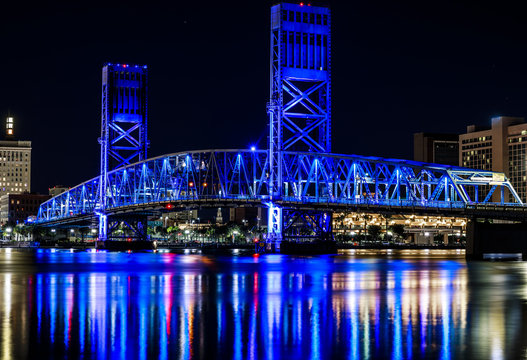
(308, 178)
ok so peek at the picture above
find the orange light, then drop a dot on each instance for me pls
(204, 184)
(301, 4)
(191, 184)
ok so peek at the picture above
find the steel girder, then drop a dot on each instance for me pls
(308, 178)
(300, 93)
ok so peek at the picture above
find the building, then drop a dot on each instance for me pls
(57, 190)
(500, 148)
(15, 163)
(16, 208)
(247, 215)
(436, 148)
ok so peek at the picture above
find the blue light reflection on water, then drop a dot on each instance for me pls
(146, 305)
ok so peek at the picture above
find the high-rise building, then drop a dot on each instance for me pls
(500, 148)
(436, 148)
(15, 163)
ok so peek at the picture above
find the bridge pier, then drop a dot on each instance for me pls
(486, 240)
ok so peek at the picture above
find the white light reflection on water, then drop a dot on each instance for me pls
(190, 306)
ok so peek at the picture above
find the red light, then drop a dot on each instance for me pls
(169, 206)
(124, 65)
(255, 240)
(301, 4)
(256, 255)
(129, 239)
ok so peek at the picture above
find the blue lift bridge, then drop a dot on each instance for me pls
(297, 177)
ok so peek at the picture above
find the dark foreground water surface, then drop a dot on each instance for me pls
(99, 305)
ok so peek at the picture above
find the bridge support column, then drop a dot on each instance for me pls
(487, 240)
(274, 226)
(103, 227)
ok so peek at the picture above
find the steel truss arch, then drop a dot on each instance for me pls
(308, 178)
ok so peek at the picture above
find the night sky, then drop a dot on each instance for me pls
(397, 67)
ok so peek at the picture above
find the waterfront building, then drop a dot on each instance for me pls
(15, 162)
(436, 148)
(16, 208)
(418, 229)
(499, 147)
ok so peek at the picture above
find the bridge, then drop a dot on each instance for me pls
(312, 181)
(297, 178)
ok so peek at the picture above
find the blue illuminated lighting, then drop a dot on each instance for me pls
(238, 176)
(363, 308)
(297, 168)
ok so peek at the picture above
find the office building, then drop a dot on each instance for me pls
(15, 163)
(500, 148)
(436, 148)
(16, 208)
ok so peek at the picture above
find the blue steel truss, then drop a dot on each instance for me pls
(300, 92)
(297, 178)
(211, 176)
(123, 124)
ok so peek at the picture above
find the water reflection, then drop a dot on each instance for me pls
(189, 306)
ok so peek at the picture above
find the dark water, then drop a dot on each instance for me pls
(65, 304)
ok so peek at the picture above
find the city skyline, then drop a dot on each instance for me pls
(209, 75)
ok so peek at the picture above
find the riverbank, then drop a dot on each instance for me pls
(225, 248)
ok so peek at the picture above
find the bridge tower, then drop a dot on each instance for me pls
(299, 108)
(124, 125)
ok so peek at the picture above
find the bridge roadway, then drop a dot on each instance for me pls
(311, 181)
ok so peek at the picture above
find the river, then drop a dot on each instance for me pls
(368, 305)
